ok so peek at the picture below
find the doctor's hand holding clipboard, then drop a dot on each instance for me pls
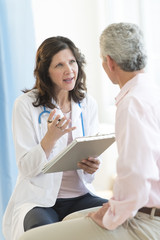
(89, 165)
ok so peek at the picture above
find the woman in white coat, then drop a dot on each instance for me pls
(45, 120)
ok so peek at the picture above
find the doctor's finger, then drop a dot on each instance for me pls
(87, 168)
(92, 164)
(60, 122)
(65, 125)
(67, 130)
(56, 120)
(94, 160)
(50, 118)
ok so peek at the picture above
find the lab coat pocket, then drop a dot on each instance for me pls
(39, 193)
(42, 181)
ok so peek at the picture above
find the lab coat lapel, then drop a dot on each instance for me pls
(76, 120)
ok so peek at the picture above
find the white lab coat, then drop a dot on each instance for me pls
(33, 188)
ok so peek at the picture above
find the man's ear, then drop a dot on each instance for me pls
(110, 63)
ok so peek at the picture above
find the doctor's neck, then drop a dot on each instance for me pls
(64, 102)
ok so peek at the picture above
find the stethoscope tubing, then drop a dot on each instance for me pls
(82, 121)
(40, 115)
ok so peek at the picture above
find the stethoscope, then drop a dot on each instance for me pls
(48, 112)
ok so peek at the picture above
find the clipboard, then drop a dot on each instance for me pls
(80, 148)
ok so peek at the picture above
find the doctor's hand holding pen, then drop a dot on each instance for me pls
(57, 127)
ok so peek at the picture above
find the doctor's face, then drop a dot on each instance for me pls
(63, 70)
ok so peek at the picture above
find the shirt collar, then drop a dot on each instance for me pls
(130, 84)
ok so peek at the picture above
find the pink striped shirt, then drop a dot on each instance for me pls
(138, 142)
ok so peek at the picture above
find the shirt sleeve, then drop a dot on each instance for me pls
(136, 137)
(29, 153)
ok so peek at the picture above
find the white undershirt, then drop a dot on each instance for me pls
(71, 185)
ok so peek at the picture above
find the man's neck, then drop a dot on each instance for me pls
(124, 77)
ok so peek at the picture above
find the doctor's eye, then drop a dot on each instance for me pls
(59, 65)
(72, 61)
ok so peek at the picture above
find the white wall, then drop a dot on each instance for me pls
(83, 21)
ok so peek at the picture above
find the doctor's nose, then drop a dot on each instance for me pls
(68, 69)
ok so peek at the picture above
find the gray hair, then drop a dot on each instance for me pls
(124, 43)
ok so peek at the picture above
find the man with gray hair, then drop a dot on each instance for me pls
(133, 213)
(135, 205)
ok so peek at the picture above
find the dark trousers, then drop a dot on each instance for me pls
(39, 216)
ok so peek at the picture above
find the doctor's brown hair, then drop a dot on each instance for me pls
(43, 84)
